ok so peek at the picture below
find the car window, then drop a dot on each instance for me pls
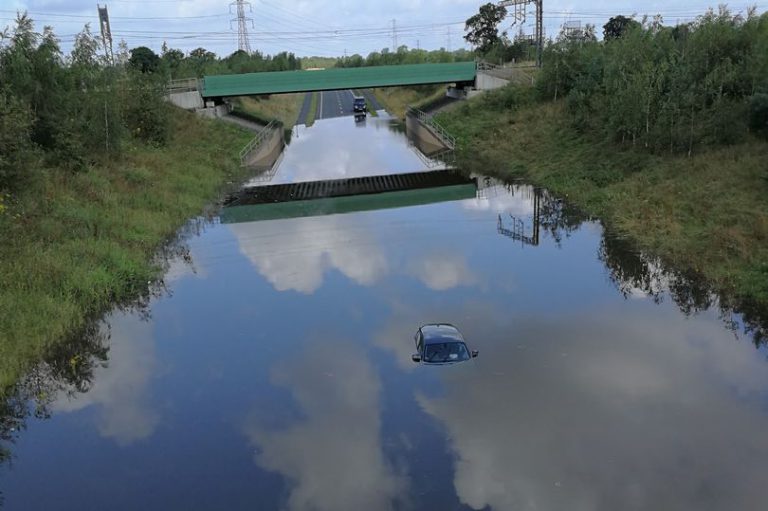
(446, 352)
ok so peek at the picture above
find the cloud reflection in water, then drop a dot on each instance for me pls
(333, 457)
(602, 414)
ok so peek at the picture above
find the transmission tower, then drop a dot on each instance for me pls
(243, 44)
(394, 36)
(518, 16)
(106, 32)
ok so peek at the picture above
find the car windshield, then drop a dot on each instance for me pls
(446, 352)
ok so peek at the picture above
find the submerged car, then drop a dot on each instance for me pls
(441, 343)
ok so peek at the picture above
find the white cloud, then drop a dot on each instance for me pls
(333, 457)
(441, 272)
(604, 412)
(279, 26)
(295, 254)
(121, 389)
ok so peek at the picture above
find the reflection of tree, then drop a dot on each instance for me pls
(67, 368)
(636, 273)
(558, 217)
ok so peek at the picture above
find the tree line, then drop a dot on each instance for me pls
(404, 55)
(665, 88)
(67, 112)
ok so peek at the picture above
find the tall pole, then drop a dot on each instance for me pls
(539, 31)
(243, 43)
(519, 15)
(394, 36)
(106, 32)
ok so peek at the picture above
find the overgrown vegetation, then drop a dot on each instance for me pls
(96, 172)
(283, 108)
(312, 109)
(666, 89)
(405, 55)
(173, 63)
(660, 131)
(482, 32)
(396, 100)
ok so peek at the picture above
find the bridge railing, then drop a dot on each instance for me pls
(439, 131)
(256, 141)
(183, 85)
(513, 74)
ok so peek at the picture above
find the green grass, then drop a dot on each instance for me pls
(312, 109)
(284, 108)
(707, 213)
(396, 100)
(77, 244)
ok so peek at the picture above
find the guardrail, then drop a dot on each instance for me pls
(256, 142)
(440, 132)
(513, 74)
(183, 85)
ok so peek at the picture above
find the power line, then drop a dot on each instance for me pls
(243, 44)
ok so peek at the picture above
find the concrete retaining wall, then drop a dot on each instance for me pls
(486, 81)
(427, 142)
(266, 153)
(191, 100)
(214, 112)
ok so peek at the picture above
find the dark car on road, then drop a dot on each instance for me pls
(358, 104)
(441, 343)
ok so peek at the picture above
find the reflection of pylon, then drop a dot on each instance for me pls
(517, 230)
(106, 32)
(243, 44)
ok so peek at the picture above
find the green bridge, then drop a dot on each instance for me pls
(281, 82)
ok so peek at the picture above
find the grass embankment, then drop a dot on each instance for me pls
(80, 243)
(396, 100)
(708, 213)
(284, 108)
(310, 120)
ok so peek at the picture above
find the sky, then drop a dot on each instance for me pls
(320, 27)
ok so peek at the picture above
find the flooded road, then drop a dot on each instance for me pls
(274, 370)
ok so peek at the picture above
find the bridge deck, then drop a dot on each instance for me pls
(346, 196)
(308, 190)
(336, 79)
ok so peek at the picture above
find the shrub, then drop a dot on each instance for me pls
(758, 114)
(16, 148)
(144, 112)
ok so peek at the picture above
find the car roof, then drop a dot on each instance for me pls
(441, 332)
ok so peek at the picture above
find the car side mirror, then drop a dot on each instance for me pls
(416, 357)
(475, 353)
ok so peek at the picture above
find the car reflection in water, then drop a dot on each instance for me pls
(360, 119)
(441, 344)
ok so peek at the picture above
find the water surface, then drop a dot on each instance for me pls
(276, 372)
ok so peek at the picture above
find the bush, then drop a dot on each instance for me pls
(16, 148)
(145, 114)
(758, 114)
(508, 98)
(665, 88)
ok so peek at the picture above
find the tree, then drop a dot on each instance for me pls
(482, 29)
(84, 51)
(143, 59)
(618, 26)
(172, 58)
(16, 147)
